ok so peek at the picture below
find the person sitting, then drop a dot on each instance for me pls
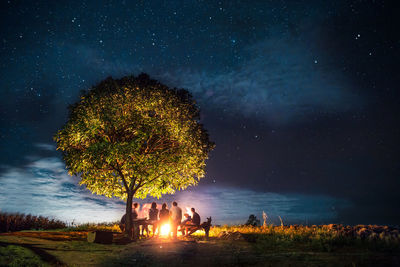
(193, 224)
(195, 217)
(186, 221)
(153, 217)
(134, 216)
(122, 223)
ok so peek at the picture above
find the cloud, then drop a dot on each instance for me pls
(43, 187)
(44, 146)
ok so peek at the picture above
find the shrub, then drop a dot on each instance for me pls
(11, 222)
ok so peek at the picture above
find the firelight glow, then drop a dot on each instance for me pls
(165, 229)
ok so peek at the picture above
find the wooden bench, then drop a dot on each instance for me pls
(193, 228)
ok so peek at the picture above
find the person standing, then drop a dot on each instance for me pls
(153, 218)
(176, 218)
(134, 217)
(135, 225)
(135, 210)
(164, 214)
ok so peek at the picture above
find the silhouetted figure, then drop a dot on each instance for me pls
(195, 217)
(194, 223)
(176, 218)
(187, 219)
(153, 218)
(134, 216)
(164, 214)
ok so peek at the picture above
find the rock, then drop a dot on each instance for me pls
(231, 235)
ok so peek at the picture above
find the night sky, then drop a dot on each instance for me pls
(300, 97)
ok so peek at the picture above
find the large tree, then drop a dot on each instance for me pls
(134, 137)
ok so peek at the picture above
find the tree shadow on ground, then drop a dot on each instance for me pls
(43, 255)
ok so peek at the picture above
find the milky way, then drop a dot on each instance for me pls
(300, 97)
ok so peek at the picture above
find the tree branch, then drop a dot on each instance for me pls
(122, 177)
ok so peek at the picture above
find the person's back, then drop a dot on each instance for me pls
(176, 218)
(196, 218)
(135, 211)
(122, 223)
(176, 214)
(153, 219)
(164, 214)
(153, 214)
(123, 219)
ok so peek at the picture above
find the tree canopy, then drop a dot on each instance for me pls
(134, 137)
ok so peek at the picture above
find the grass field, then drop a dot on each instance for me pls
(227, 246)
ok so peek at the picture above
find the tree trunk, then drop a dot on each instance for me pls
(128, 217)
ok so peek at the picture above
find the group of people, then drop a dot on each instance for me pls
(158, 218)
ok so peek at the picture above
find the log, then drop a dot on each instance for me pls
(101, 237)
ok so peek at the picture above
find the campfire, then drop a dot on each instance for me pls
(165, 230)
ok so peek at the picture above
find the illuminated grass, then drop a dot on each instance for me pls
(317, 238)
(113, 227)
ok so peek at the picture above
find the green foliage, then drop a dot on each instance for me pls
(134, 136)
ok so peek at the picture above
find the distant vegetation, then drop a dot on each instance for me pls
(106, 226)
(11, 222)
(318, 237)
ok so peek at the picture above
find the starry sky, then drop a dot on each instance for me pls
(300, 97)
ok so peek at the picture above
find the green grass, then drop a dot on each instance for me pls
(19, 256)
(260, 246)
